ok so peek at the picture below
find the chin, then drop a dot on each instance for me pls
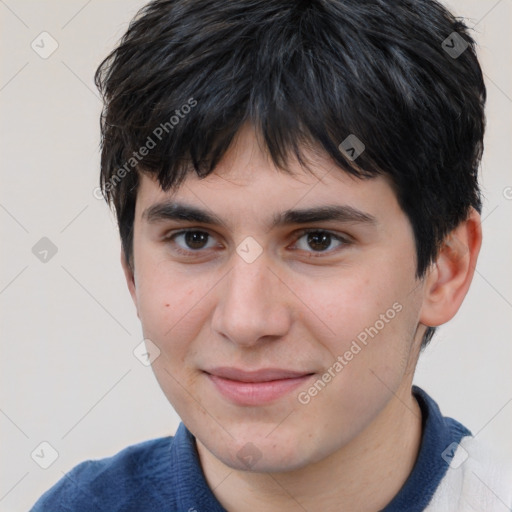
(262, 455)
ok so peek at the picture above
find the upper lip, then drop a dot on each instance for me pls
(262, 375)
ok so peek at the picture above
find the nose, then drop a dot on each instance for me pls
(254, 304)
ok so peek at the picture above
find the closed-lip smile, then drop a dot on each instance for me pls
(255, 387)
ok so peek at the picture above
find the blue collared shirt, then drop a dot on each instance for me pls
(165, 475)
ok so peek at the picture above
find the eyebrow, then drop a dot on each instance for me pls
(172, 210)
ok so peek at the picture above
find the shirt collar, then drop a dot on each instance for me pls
(438, 434)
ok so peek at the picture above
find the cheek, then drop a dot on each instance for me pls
(371, 319)
(173, 307)
(159, 309)
(352, 305)
(172, 312)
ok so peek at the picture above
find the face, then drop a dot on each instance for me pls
(282, 336)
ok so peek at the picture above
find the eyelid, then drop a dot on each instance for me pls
(342, 237)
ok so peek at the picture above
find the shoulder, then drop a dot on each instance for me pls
(477, 478)
(135, 475)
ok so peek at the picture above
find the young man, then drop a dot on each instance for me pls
(296, 190)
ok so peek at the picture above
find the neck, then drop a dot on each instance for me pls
(364, 475)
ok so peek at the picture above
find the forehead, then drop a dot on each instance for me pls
(247, 187)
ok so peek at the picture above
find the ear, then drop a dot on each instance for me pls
(448, 280)
(130, 279)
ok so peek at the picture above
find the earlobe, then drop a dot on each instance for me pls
(449, 279)
(130, 279)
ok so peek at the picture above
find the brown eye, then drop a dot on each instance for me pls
(319, 241)
(196, 239)
(190, 241)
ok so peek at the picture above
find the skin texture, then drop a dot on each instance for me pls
(353, 445)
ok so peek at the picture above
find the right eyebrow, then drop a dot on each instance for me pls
(171, 210)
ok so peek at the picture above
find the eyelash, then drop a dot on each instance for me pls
(315, 254)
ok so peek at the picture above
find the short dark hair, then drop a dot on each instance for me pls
(189, 73)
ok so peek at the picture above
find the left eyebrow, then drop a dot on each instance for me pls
(340, 213)
(172, 210)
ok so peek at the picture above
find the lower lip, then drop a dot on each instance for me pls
(256, 393)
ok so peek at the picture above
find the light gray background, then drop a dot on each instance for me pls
(68, 374)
